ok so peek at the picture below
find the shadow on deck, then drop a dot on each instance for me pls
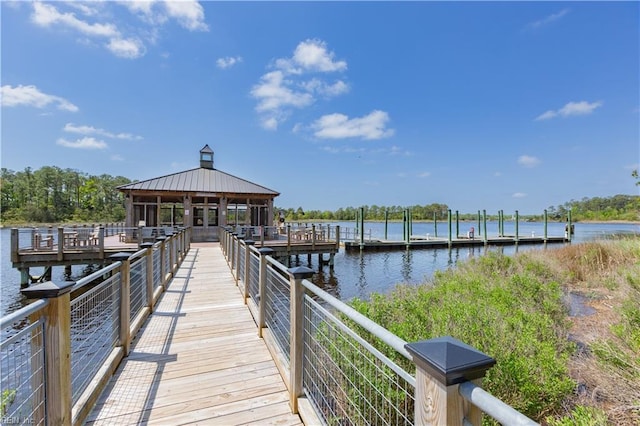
(198, 358)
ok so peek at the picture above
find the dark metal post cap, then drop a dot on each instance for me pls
(120, 256)
(47, 290)
(146, 245)
(301, 272)
(265, 251)
(449, 360)
(249, 242)
(161, 238)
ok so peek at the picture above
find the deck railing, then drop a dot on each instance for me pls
(331, 357)
(81, 237)
(58, 352)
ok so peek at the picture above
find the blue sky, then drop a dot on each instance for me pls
(478, 105)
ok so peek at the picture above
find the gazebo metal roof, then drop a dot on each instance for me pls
(200, 180)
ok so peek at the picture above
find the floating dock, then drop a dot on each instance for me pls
(437, 243)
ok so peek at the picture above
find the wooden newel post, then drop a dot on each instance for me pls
(296, 345)
(57, 350)
(247, 268)
(262, 287)
(101, 235)
(442, 364)
(125, 299)
(61, 242)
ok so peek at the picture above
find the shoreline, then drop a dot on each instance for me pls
(55, 225)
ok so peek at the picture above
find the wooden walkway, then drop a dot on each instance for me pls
(198, 358)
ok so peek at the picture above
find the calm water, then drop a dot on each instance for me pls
(356, 274)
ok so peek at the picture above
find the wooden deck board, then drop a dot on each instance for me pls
(197, 359)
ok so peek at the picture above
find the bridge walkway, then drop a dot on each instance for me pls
(198, 358)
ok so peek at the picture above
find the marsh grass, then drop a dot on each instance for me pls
(554, 368)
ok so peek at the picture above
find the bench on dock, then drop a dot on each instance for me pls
(87, 236)
(41, 241)
(148, 235)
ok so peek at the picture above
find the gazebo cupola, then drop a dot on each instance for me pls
(206, 158)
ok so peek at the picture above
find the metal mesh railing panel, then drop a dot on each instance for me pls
(254, 276)
(95, 325)
(157, 273)
(137, 287)
(345, 380)
(243, 251)
(277, 308)
(22, 384)
(167, 258)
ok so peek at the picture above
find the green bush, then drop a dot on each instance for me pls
(581, 416)
(507, 307)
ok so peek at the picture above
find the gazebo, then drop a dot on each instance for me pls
(203, 198)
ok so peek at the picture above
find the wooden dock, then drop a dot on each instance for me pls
(434, 243)
(198, 358)
(56, 254)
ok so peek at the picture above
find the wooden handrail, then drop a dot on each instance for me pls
(53, 304)
(439, 398)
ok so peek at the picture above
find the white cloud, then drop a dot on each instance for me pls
(90, 130)
(273, 93)
(312, 55)
(424, 174)
(116, 157)
(126, 48)
(85, 9)
(339, 126)
(46, 15)
(571, 109)
(579, 108)
(290, 86)
(270, 123)
(548, 19)
(228, 61)
(519, 195)
(320, 87)
(126, 41)
(84, 143)
(528, 161)
(188, 13)
(31, 96)
(546, 115)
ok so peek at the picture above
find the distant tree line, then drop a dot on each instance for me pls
(617, 207)
(373, 212)
(54, 195)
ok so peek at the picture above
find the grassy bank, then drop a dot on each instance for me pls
(557, 368)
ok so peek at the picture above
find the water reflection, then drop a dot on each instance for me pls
(359, 274)
(407, 257)
(356, 274)
(326, 279)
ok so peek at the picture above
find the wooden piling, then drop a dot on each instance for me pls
(450, 228)
(484, 221)
(386, 223)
